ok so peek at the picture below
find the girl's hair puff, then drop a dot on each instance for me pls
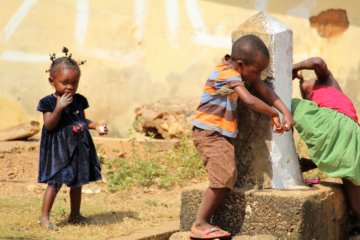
(65, 61)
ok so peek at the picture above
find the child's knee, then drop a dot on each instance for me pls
(55, 186)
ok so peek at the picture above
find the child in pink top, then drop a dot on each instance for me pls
(338, 100)
(326, 120)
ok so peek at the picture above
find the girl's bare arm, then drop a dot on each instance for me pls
(51, 119)
(315, 63)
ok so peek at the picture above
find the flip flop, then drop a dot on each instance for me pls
(210, 233)
(312, 180)
(48, 225)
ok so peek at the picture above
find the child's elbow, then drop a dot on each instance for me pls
(318, 62)
(249, 102)
(49, 127)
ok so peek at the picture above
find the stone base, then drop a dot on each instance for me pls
(317, 213)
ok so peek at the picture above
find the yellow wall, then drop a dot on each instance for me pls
(138, 51)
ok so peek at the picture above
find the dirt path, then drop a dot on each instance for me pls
(112, 214)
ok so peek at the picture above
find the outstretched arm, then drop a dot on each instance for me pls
(273, 99)
(259, 106)
(101, 128)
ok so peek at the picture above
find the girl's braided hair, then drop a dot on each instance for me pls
(66, 60)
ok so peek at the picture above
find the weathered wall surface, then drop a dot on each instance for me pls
(139, 51)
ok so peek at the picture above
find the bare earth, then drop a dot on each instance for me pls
(112, 214)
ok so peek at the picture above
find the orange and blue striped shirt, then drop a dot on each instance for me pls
(218, 103)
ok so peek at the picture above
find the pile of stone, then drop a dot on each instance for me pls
(166, 118)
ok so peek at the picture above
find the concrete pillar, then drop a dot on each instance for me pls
(264, 158)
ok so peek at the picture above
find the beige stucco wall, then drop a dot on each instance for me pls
(138, 51)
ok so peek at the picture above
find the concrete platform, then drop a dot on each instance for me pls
(317, 213)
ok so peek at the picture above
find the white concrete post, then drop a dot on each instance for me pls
(284, 171)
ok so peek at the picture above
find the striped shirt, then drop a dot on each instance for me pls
(218, 103)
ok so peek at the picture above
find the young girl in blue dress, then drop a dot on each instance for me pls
(67, 152)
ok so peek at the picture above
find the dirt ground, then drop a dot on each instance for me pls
(112, 214)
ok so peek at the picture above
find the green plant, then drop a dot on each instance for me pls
(100, 149)
(60, 209)
(164, 170)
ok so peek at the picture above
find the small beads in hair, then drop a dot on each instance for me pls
(52, 57)
(65, 50)
(67, 59)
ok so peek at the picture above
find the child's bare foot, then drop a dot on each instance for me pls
(78, 219)
(207, 231)
(45, 223)
(201, 226)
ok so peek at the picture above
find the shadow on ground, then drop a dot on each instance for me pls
(107, 218)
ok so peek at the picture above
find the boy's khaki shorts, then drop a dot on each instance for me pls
(218, 155)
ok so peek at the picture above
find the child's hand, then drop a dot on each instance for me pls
(102, 129)
(297, 74)
(64, 100)
(275, 121)
(288, 122)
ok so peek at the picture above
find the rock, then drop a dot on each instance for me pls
(20, 131)
(91, 191)
(166, 118)
(12, 175)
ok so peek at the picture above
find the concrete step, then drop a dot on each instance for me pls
(317, 213)
(162, 232)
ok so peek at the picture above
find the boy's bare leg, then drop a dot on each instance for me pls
(211, 200)
(48, 201)
(353, 195)
(75, 204)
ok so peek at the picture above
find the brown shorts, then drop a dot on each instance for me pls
(218, 155)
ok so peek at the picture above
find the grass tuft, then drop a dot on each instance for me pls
(172, 168)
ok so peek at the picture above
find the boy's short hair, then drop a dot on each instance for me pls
(247, 47)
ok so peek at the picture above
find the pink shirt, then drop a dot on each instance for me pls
(329, 97)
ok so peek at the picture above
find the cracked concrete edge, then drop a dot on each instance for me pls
(162, 232)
